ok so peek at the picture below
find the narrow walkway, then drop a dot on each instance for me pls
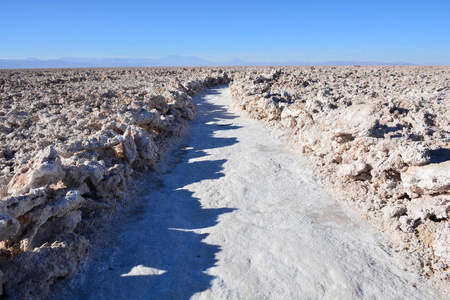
(240, 216)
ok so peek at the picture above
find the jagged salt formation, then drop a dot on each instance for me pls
(379, 135)
(70, 140)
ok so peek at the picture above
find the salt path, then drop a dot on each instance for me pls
(238, 214)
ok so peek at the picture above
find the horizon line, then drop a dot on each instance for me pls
(178, 61)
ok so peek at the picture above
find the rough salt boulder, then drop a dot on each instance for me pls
(436, 207)
(442, 241)
(429, 179)
(82, 169)
(137, 116)
(293, 111)
(16, 206)
(52, 211)
(270, 108)
(145, 144)
(44, 170)
(30, 274)
(8, 226)
(356, 120)
(415, 154)
(100, 140)
(127, 148)
(354, 170)
(158, 102)
(56, 227)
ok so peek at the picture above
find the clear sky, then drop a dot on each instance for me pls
(278, 30)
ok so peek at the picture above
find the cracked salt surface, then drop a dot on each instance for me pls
(240, 216)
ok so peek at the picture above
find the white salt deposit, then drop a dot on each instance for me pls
(241, 216)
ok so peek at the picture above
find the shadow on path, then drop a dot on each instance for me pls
(160, 256)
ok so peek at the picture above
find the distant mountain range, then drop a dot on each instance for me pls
(168, 61)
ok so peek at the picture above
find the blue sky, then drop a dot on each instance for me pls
(313, 31)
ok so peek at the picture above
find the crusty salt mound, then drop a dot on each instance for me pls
(379, 135)
(70, 140)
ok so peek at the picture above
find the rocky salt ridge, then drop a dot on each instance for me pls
(70, 142)
(379, 135)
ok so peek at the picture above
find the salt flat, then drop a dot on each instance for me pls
(237, 214)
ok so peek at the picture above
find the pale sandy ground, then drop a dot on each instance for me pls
(239, 215)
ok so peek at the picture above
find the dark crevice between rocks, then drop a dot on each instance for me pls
(436, 219)
(405, 196)
(92, 189)
(393, 175)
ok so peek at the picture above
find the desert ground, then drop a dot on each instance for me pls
(339, 187)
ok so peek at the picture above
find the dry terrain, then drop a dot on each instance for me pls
(71, 139)
(379, 135)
